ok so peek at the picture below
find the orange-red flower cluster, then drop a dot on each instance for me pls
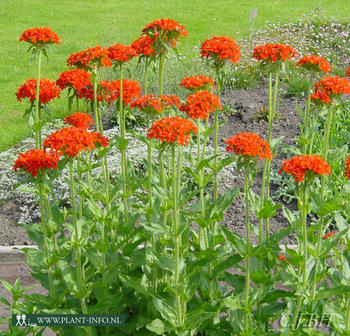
(299, 165)
(47, 90)
(347, 71)
(71, 141)
(152, 104)
(90, 58)
(75, 79)
(273, 52)
(249, 144)
(347, 168)
(79, 120)
(329, 234)
(172, 130)
(40, 36)
(329, 87)
(221, 48)
(164, 31)
(200, 104)
(314, 63)
(35, 160)
(197, 82)
(121, 53)
(131, 90)
(282, 257)
(87, 92)
(144, 46)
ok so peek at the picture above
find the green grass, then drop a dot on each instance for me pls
(84, 23)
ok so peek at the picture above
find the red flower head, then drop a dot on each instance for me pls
(314, 63)
(347, 168)
(164, 32)
(299, 165)
(79, 120)
(282, 258)
(348, 72)
(327, 88)
(71, 141)
(121, 53)
(155, 105)
(144, 46)
(47, 90)
(220, 49)
(87, 93)
(35, 160)
(76, 79)
(200, 104)
(87, 59)
(197, 82)
(172, 130)
(131, 90)
(329, 234)
(273, 52)
(40, 36)
(249, 144)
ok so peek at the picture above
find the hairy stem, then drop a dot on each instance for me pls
(38, 143)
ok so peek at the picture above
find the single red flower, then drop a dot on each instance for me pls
(327, 88)
(282, 257)
(164, 32)
(347, 168)
(347, 74)
(131, 91)
(314, 63)
(197, 82)
(35, 160)
(87, 59)
(47, 90)
(71, 141)
(172, 130)
(249, 144)
(273, 52)
(298, 166)
(329, 234)
(40, 36)
(200, 104)
(220, 49)
(155, 105)
(76, 79)
(79, 120)
(144, 46)
(120, 53)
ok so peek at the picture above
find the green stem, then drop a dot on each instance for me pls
(247, 276)
(97, 116)
(77, 101)
(304, 271)
(216, 145)
(323, 187)
(307, 112)
(145, 77)
(175, 183)
(46, 248)
(38, 143)
(81, 200)
(78, 248)
(123, 151)
(161, 71)
(347, 321)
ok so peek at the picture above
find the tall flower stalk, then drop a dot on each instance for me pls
(248, 147)
(304, 168)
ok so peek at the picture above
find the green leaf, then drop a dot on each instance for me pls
(226, 264)
(270, 309)
(268, 210)
(157, 326)
(238, 243)
(275, 143)
(222, 203)
(232, 302)
(138, 284)
(69, 274)
(166, 310)
(329, 243)
(38, 126)
(329, 208)
(6, 285)
(26, 189)
(155, 227)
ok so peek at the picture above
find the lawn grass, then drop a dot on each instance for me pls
(84, 23)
